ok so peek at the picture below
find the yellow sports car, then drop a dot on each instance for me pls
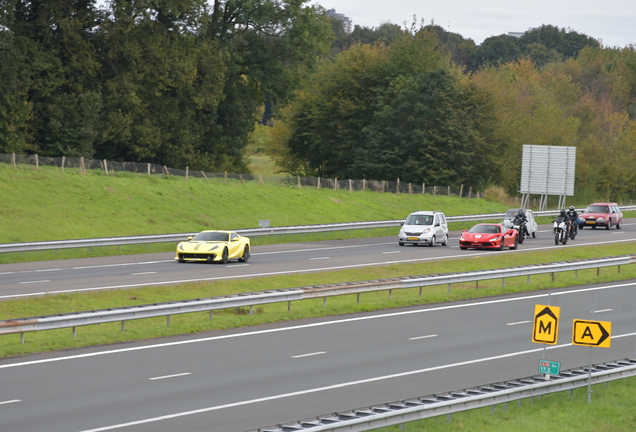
(214, 246)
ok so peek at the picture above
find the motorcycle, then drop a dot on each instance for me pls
(560, 229)
(573, 231)
(520, 226)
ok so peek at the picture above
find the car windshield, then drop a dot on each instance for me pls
(597, 209)
(419, 220)
(485, 229)
(212, 236)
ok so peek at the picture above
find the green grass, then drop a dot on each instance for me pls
(48, 204)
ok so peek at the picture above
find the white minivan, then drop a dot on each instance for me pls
(424, 228)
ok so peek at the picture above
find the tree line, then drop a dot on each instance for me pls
(192, 82)
(426, 106)
(172, 82)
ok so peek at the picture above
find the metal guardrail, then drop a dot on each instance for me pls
(76, 319)
(419, 408)
(251, 232)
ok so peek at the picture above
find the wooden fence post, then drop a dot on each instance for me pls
(461, 190)
(187, 172)
(148, 169)
(335, 184)
(298, 177)
(397, 186)
(364, 185)
(410, 191)
(37, 162)
(13, 161)
(350, 186)
(260, 178)
(106, 166)
(82, 167)
(448, 191)
(423, 188)
(224, 176)
(63, 160)
(204, 176)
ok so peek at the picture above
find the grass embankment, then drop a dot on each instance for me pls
(48, 204)
(611, 410)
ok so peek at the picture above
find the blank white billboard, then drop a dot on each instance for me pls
(548, 170)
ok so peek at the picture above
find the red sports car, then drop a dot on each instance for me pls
(489, 236)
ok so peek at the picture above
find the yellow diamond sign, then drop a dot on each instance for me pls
(546, 324)
(591, 333)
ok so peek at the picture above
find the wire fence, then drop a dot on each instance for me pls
(81, 165)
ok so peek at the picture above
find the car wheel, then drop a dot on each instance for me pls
(246, 254)
(181, 260)
(401, 243)
(463, 248)
(445, 242)
(502, 244)
(432, 243)
(534, 234)
(618, 225)
(609, 225)
(224, 256)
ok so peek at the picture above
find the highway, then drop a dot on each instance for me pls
(241, 379)
(132, 271)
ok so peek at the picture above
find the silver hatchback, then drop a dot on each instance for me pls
(424, 228)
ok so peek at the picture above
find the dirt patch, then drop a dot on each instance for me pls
(336, 200)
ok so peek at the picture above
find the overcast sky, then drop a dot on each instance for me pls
(613, 21)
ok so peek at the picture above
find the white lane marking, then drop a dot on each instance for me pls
(322, 248)
(602, 310)
(619, 232)
(47, 270)
(120, 265)
(142, 273)
(236, 265)
(318, 258)
(517, 323)
(310, 354)
(34, 282)
(422, 337)
(392, 252)
(170, 376)
(319, 324)
(10, 401)
(329, 387)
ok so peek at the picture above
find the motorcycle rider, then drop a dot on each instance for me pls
(521, 220)
(574, 218)
(563, 217)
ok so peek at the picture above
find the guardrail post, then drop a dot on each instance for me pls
(22, 338)
(390, 294)
(448, 290)
(576, 274)
(358, 298)
(288, 306)
(619, 269)
(503, 282)
(598, 271)
(251, 307)
(211, 315)
(528, 280)
(552, 276)
(123, 326)
(74, 332)
(168, 320)
(476, 284)
(324, 302)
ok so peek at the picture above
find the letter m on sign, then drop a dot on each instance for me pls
(546, 324)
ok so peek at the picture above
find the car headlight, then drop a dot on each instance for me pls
(402, 231)
(601, 220)
(180, 246)
(426, 231)
(461, 239)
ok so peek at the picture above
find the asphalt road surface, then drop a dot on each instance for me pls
(247, 378)
(242, 379)
(26, 279)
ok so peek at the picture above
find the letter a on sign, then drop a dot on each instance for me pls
(546, 324)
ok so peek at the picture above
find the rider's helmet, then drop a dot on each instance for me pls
(571, 207)
(521, 212)
(563, 212)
